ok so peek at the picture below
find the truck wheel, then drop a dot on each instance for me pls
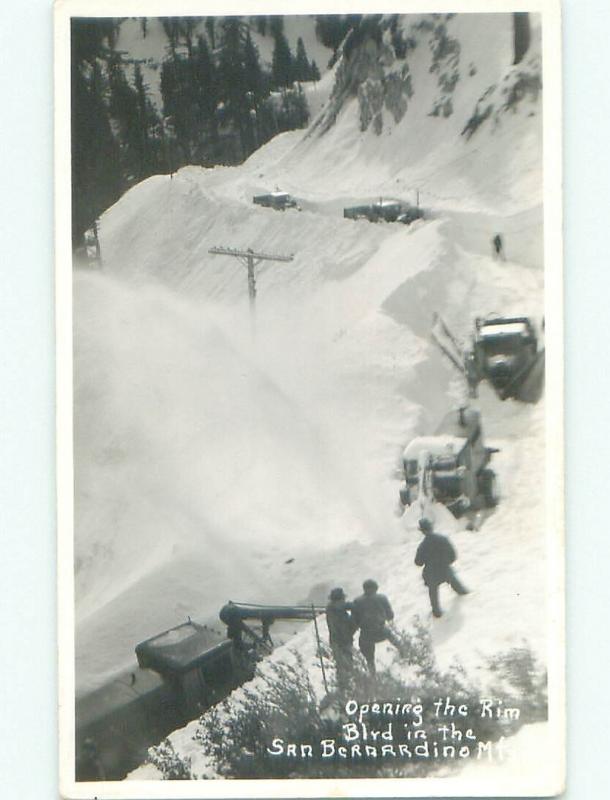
(489, 488)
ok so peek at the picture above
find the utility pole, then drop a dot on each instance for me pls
(249, 259)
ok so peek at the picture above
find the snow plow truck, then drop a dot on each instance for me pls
(451, 467)
(504, 351)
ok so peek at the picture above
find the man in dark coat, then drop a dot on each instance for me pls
(229, 614)
(341, 633)
(371, 611)
(498, 247)
(436, 554)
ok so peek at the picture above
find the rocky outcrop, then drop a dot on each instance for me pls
(391, 92)
(445, 63)
(521, 84)
(374, 68)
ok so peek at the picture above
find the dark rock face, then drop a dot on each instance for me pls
(445, 62)
(520, 85)
(398, 90)
(391, 92)
(361, 74)
(521, 27)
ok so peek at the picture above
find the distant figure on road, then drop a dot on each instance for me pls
(436, 554)
(371, 611)
(498, 247)
(341, 630)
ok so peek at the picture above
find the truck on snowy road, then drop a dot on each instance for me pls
(385, 210)
(504, 351)
(280, 201)
(451, 466)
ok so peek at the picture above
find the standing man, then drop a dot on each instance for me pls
(371, 611)
(436, 554)
(498, 247)
(341, 633)
(229, 614)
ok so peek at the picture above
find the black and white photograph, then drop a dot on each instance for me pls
(310, 401)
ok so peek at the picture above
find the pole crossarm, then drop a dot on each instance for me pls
(231, 251)
(250, 259)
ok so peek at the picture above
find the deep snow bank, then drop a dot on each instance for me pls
(197, 458)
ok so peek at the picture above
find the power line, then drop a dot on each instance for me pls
(249, 259)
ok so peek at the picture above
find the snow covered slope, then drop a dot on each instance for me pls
(205, 460)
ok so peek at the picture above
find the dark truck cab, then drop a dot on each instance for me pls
(451, 466)
(180, 673)
(504, 350)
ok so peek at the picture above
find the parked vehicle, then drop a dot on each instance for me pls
(179, 674)
(451, 466)
(504, 350)
(385, 210)
(280, 201)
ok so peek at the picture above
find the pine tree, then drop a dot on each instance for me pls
(207, 98)
(281, 64)
(147, 124)
(302, 69)
(314, 71)
(253, 73)
(180, 102)
(276, 25)
(171, 26)
(261, 24)
(253, 81)
(135, 120)
(235, 86)
(96, 173)
(231, 79)
(123, 112)
(188, 26)
(294, 111)
(331, 30)
(211, 31)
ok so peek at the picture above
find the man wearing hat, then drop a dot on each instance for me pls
(341, 633)
(371, 611)
(436, 554)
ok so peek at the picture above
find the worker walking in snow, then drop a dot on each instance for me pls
(341, 633)
(498, 247)
(436, 554)
(370, 612)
